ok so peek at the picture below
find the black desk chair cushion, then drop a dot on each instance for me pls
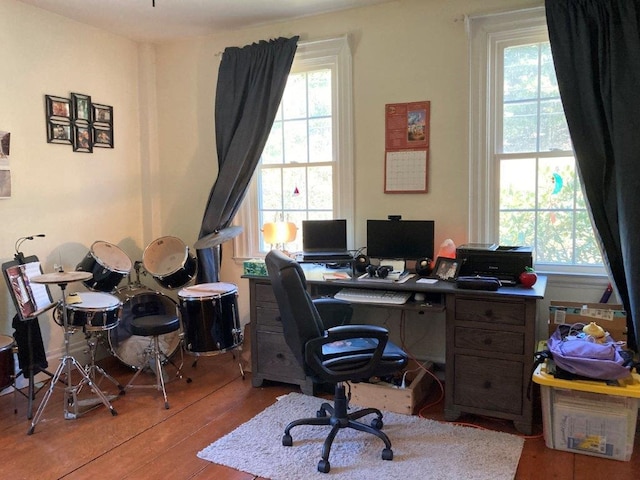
(330, 351)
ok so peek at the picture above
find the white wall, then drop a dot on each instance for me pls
(157, 179)
(74, 198)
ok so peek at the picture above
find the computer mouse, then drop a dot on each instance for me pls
(419, 297)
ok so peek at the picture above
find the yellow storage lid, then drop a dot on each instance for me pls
(627, 387)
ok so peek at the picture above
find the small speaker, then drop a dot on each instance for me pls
(361, 262)
(423, 267)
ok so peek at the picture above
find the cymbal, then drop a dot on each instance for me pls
(216, 238)
(62, 277)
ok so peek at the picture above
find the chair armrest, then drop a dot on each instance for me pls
(352, 361)
(333, 311)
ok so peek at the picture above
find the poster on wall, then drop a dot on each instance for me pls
(5, 173)
(407, 147)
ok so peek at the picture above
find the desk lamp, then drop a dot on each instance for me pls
(278, 234)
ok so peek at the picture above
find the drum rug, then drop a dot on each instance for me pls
(423, 449)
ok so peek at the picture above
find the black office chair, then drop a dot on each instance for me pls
(331, 355)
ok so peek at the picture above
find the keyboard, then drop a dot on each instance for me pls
(359, 295)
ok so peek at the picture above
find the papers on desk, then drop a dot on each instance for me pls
(367, 278)
(427, 280)
(336, 276)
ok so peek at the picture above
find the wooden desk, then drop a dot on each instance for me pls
(490, 341)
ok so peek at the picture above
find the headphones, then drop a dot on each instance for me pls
(381, 271)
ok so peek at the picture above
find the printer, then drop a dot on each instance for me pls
(490, 260)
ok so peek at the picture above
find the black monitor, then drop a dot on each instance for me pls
(400, 239)
(324, 235)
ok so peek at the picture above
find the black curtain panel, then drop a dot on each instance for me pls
(251, 81)
(596, 53)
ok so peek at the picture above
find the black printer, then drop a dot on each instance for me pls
(503, 262)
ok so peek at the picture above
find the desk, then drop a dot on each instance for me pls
(490, 341)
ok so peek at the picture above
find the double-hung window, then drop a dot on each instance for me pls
(525, 188)
(306, 169)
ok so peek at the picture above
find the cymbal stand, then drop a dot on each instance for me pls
(67, 363)
(91, 368)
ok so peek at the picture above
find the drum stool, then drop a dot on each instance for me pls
(154, 326)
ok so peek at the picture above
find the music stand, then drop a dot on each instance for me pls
(30, 301)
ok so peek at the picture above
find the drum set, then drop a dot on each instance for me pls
(208, 313)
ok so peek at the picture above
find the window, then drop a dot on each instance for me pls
(525, 188)
(306, 169)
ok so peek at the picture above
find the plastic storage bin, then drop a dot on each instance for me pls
(589, 417)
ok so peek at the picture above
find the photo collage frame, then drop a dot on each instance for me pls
(79, 122)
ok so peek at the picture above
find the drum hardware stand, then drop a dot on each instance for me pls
(92, 368)
(65, 366)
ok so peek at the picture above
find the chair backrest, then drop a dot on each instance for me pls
(300, 319)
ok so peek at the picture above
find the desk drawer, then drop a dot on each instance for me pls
(276, 360)
(268, 319)
(496, 312)
(264, 294)
(488, 383)
(489, 340)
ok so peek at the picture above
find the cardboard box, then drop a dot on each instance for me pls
(609, 316)
(589, 417)
(392, 399)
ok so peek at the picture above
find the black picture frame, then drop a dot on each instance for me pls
(447, 269)
(102, 114)
(82, 137)
(102, 136)
(59, 131)
(57, 107)
(81, 107)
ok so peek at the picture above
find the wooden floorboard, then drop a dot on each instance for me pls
(145, 440)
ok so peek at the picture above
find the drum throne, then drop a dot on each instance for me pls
(153, 357)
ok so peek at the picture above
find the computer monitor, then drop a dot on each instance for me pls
(319, 236)
(400, 239)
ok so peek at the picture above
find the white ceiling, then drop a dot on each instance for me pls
(172, 19)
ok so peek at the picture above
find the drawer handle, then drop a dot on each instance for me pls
(487, 341)
(488, 313)
(487, 384)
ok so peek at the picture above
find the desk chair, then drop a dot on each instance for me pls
(331, 355)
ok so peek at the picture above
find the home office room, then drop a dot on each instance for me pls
(168, 167)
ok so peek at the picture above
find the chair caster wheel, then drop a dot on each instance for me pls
(166, 405)
(287, 441)
(387, 454)
(324, 466)
(377, 423)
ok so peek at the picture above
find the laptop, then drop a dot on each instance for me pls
(325, 240)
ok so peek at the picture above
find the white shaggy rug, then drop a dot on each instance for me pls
(423, 449)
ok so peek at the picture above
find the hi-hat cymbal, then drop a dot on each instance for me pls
(216, 238)
(62, 277)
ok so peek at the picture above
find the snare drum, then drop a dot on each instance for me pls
(108, 264)
(137, 302)
(95, 311)
(7, 363)
(210, 318)
(168, 261)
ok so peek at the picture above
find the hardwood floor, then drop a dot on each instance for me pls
(147, 441)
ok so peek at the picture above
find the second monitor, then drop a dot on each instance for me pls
(400, 239)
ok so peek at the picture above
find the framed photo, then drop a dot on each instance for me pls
(102, 136)
(447, 269)
(82, 138)
(58, 131)
(81, 107)
(102, 114)
(57, 107)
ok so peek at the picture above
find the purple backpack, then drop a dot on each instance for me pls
(577, 353)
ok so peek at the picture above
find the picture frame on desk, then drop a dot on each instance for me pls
(447, 269)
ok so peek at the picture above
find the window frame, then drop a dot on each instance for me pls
(333, 53)
(488, 36)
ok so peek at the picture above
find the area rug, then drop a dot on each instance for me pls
(423, 449)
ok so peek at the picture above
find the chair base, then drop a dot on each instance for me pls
(153, 359)
(338, 418)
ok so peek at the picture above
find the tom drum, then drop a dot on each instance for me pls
(169, 262)
(7, 363)
(138, 301)
(108, 264)
(210, 318)
(93, 311)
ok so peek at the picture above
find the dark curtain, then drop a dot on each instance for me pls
(251, 81)
(596, 52)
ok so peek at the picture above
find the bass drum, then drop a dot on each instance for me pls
(139, 301)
